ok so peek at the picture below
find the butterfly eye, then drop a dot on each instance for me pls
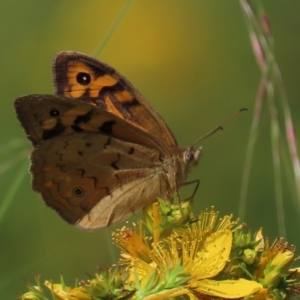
(78, 192)
(53, 112)
(83, 78)
(188, 155)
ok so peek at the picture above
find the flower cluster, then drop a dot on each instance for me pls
(171, 254)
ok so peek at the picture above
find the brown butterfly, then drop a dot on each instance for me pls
(105, 155)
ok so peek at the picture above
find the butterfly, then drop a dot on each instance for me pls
(101, 152)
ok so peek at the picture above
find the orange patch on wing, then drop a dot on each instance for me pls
(48, 184)
(87, 127)
(47, 168)
(98, 121)
(111, 108)
(49, 124)
(96, 86)
(123, 96)
(106, 80)
(77, 111)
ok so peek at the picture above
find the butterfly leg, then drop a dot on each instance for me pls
(197, 183)
(177, 197)
(189, 199)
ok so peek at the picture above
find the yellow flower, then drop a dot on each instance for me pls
(183, 265)
(210, 262)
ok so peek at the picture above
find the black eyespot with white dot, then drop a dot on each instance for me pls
(78, 192)
(83, 78)
(54, 112)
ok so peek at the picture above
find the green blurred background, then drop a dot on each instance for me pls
(193, 61)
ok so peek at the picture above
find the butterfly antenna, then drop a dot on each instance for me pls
(219, 127)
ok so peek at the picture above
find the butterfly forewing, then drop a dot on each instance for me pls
(79, 76)
(47, 116)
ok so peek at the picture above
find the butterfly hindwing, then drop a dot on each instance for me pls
(94, 180)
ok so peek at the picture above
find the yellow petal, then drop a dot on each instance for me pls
(215, 253)
(282, 259)
(229, 289)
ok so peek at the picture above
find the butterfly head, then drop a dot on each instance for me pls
(191, 157)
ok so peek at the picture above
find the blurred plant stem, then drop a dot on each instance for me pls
(271, 89)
